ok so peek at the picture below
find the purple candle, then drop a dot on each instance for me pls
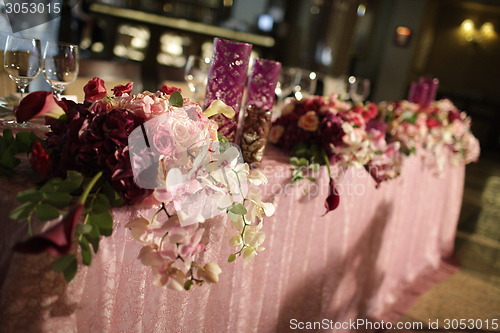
(412, 92)
(227, 78)
(262, 83)
(433, 87)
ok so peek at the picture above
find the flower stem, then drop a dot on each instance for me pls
(89, 187)
(327, 162)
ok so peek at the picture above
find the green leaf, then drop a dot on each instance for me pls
(63, 262)
(114, 198)
(22, 212)
(58, 199)
(238, 208)
(86, 254)
(9, 157)
(93, 238)
(24, 141)
(231, 258)
(103, 221)
(32, 195)
(8, 137)
(100, 204)
(72, 182)
(46, 212)
(51, 186)
(311, 179)
(233, 217)
(70, 271)
(176, 99)
(83, 229)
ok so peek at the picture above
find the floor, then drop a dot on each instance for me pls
(472, 294)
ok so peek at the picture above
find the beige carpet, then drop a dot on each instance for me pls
(474, 291)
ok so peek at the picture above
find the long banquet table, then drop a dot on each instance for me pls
(353, 263)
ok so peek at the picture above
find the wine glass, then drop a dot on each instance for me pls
(289, 77)
(196, 75)
(22, 60)
(306, 84)
(359, 89)
(60, 65)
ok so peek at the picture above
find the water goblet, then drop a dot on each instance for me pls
(306, 85)
(288, 79)
(196, 75)
(21, 60)
(60, 65)
(359, 89)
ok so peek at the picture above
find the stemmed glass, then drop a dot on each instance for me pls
(196, 75)
(359, 89)
(60, 65)
(22, 60)
(289, 78)
(306, 84)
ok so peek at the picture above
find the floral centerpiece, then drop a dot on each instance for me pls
(326, 130)
(440, 131)
(91, 160)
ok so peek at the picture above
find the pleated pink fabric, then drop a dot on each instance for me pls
(352, 263)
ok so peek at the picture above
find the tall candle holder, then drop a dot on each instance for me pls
(227, 78)
(255, 120)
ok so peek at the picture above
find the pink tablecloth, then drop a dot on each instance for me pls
(352, 263)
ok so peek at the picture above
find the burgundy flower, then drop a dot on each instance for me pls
(57, 240)
(40, 159)
(39, 103)
(333, 199)
(94, 90)
(375, 124)
(120, 89)
(169, 90)
(331, 132)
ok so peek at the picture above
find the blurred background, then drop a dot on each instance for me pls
(389, 42)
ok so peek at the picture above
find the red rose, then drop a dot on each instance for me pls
(39, 103)
(370, 111)
(126, 89)
(432, 122)
(94, 90)
(57, 240)
(40, 159)
(169, 90)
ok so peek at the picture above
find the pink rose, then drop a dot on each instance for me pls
(309, 121)
(185, 132)
(275, 133)
(94, 90)
(162, 141)
(39, 103)
(126, 89)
